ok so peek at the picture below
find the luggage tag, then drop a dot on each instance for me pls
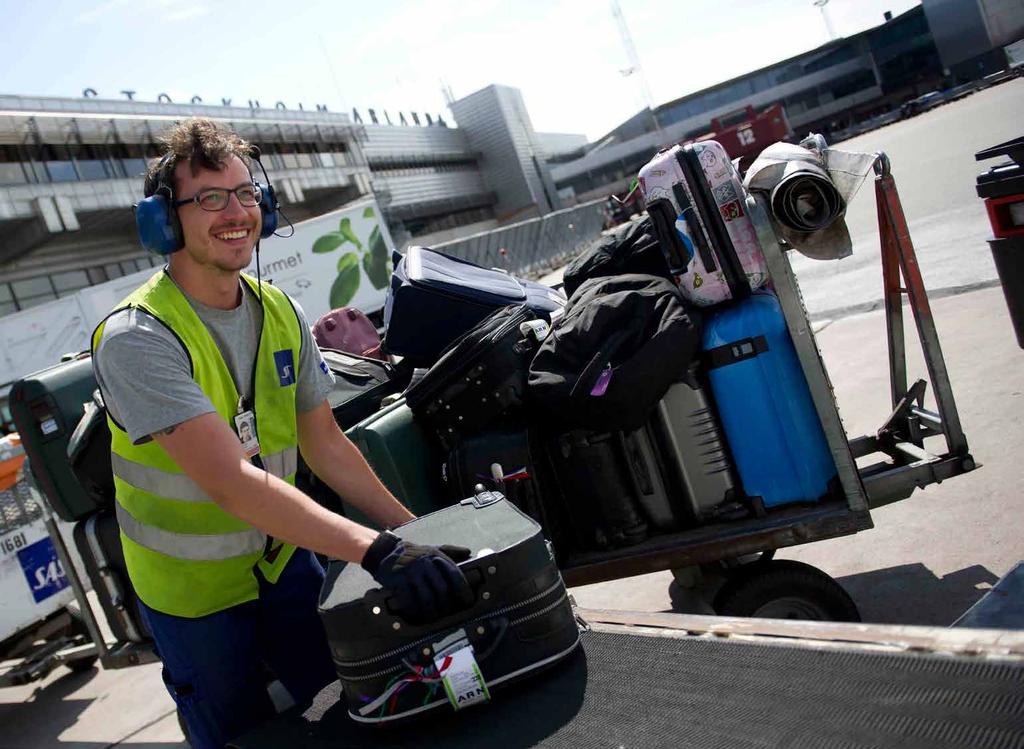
(245, 428)
(459, 672)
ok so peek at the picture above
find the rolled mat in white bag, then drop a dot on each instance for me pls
(808, 188)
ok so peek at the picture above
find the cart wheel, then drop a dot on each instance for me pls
(784, 589)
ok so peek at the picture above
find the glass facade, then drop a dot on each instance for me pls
(30, 292)
(740, 90)
(47, 163)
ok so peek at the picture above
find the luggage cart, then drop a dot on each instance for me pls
(901, 464)
(38, 631)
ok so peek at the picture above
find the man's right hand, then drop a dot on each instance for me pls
(425, 580)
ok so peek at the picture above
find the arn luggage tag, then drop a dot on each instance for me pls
(245, 428)
(459, 672)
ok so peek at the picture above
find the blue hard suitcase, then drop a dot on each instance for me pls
(764, 403)
(434, 299)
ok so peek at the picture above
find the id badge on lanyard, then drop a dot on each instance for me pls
(245, 428)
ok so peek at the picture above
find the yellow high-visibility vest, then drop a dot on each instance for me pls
(185, 555)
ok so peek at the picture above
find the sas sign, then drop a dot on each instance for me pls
(42, 569)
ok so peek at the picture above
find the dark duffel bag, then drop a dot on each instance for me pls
(520, 622)
(478, 378)
(598, 490)
(630, 248)
(360, 384)
(613, 354)
(513, 461)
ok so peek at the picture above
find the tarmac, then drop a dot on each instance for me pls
(927, 559)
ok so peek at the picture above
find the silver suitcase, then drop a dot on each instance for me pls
(690, 439)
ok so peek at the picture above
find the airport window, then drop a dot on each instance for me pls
(789, 73)
(61, 171)
(33, 291)
(7, 308)
(835, 57)
(70, 281)
(38, 172)
(112, 271)
(91, 169)
(5, 293)
(12, 174)
(133, 167)
(96, 275)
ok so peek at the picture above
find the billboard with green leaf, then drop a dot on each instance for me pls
(340, 259)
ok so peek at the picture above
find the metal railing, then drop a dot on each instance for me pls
(531, 248)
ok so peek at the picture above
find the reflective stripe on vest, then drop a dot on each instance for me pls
(191, 546)
(179, 486)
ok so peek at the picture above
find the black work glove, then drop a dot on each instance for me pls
(424, 580)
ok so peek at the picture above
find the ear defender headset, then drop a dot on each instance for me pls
(156, 217)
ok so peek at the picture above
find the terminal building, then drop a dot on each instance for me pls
(939, 43)
(70, 169)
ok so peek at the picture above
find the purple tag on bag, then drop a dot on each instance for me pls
(601, 386)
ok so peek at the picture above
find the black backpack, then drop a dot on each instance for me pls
(630, 248)
(609, 360)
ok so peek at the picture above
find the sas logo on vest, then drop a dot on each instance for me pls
(285, 367)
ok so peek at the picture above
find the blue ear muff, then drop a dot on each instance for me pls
(268, 207)
(157, 225)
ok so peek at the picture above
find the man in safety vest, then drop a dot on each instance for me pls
(213, 384)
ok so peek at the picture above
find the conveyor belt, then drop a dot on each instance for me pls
(635, 690)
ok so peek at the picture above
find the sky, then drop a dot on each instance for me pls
(566, 56)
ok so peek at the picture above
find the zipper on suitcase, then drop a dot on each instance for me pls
(732, 268)
(686, 210)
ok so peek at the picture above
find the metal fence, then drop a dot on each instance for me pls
(531, 248)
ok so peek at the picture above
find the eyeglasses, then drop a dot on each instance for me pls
(216, 198)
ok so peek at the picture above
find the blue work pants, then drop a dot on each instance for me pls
(215, 666)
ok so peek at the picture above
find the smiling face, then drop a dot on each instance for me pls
(220, 240)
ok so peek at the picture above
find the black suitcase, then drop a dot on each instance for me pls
(594, 480)
(512, 461)
(478, 378)
(521, 621)
(434, 298)
(98, 540)
(646, 474)
(47, 406)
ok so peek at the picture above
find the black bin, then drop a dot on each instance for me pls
(1002, 188)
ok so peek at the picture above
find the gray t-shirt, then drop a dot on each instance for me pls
(143, 369)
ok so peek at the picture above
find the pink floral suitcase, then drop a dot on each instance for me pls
(695, 199)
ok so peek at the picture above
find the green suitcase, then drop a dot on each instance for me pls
(47, 406)
(403, 455)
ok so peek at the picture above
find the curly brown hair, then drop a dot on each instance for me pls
(201, 142)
